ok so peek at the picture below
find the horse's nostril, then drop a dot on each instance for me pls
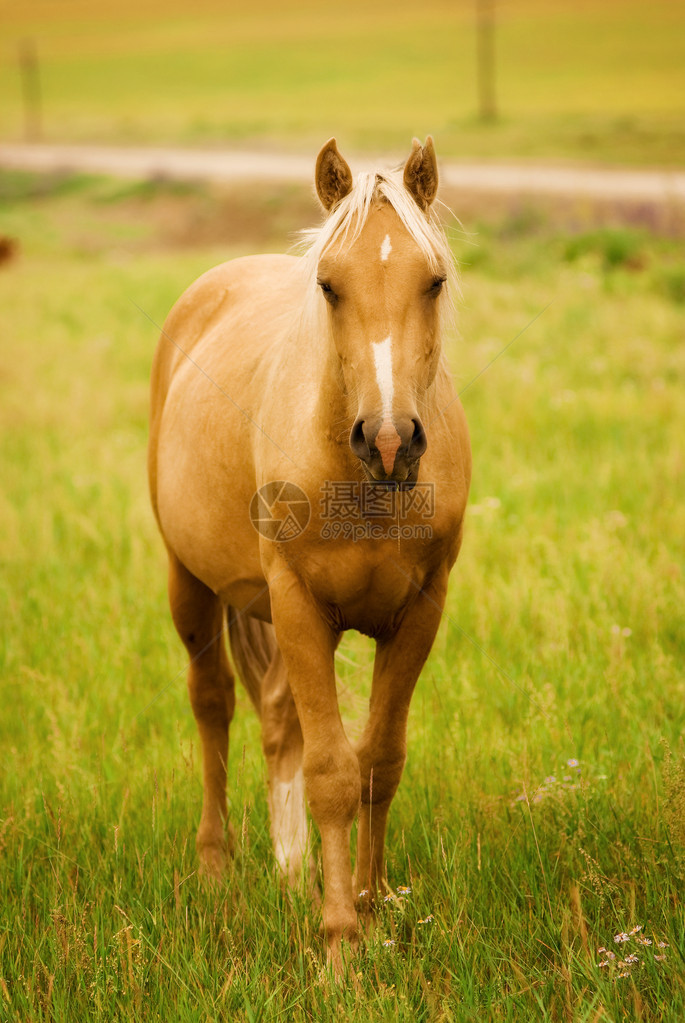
(358, 441)
(418, 442)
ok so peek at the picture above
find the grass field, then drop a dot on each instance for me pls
(542, 810)
(597, 81)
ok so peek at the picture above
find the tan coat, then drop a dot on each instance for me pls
(294, 400)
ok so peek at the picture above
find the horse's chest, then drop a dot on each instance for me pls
(362, 589)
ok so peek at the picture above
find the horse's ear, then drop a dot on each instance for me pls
(421, 173)
(333, 176)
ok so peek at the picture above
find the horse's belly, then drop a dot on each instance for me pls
(223, 557)
(205, 522)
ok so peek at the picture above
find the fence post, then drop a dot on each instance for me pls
(485, 59)
(29, 71)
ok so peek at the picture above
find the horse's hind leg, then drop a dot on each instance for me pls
(283, 745)
(199, 619)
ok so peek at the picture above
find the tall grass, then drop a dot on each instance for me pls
(542, 809)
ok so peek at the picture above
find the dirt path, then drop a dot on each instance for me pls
(650, 186)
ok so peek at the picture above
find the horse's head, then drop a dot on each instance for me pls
(381, 268)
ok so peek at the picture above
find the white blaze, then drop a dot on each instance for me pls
(382, 356)
(386, 248)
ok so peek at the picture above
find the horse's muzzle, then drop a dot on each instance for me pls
(389, 451)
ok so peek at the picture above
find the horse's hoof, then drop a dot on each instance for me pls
(213, 861)
(340, 952)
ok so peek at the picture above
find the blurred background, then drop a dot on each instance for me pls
(599, 80)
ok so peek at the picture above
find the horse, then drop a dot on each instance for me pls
(309, 467)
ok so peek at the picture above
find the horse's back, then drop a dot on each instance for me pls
(215, 304)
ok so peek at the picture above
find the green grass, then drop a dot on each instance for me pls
(562, 640)
(600, 81)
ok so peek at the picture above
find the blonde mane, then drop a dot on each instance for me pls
(347, 219)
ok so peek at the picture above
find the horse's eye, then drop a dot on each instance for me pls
(436, 286)
(328, 292)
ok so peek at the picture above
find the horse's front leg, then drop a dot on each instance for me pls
(382, 748)
(330, 766)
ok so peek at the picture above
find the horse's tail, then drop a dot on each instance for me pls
(253, 647)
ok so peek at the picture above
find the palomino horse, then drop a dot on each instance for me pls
(309, 467)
